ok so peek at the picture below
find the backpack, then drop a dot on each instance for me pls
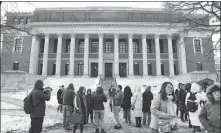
(191, 105)
(28, 106)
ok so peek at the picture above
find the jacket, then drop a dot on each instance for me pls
(97, 101)
(68, 97)
(136, 102)
(89, 102)
(147, 98)
(38, 100)
(118, 98)
(59, 97)
(127, 101)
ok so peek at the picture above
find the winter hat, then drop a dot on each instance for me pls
(211, 89)
(195, 88)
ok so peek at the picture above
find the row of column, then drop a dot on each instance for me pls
(180, 46)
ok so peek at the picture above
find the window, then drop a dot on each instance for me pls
(149, 69)
(108, 46)
(199, 66)
(18, 45)
(42, 45)
(197, 46)
(16, 66)
(15, 21)
(174, 66)
(55, 46)
(28, 20)
(66, 69)
(80, 69)
(94, 46)
(68, 42)
(81, 46)
(135, 46)
(162, 69)
(21, 21)
(149, 46)
(123, 46)
(217, 66)
(53, 69)
(161, 46)
(174, 46)
(136, 69)
(40, 70)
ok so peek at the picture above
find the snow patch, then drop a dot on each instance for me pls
(9, 106)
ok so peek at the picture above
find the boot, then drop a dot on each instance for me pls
(136, 122)
(75, 128)
(97, 130)
(81, 128)
(102, 131)
(139, 122)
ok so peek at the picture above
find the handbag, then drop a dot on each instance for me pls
(163, 125)
(76, 118)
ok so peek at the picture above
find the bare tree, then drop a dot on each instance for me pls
(204, 10)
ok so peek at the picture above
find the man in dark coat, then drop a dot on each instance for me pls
(39, 96)
(147, 98)
(181, 98)
(68, 97)
(59, 98)
(89, 105)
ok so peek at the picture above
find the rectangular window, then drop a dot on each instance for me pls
(161, 46)
(66, 69)
(108, 46)
(68, 42)
(15, 21)
(81, 46)
(135, 46)
(18, 44)
(162, 69)
(53, 69)
(149, 69)
(197, 46)
(42, 45)
(199, 66)
(28, 20)
(21, 21)
(15, 66)
(40, 70)
(94, 46)
(149, 46)
(123, 46)
(174, 46)
(80, 69)
(136, 69)
(217, 66)
(55, 45)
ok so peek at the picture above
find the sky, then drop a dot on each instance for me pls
(30, 6)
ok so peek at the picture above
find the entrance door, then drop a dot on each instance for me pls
(108, 69)
(94, 69)
(122, 69)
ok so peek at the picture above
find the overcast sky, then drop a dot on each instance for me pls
(30, 6)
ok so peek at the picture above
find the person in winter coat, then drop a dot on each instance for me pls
(80, 106)
(111, 91)
(177, 102)
(193, 116)
(89, 105)
(68, 97)
(126, 105)
(210, 114)
(39, 96)
(182, 105)
(147, 98)
(59, 98)
(163, 110)
(98, 100)
(117, 102)
(187, 90)
(137, 104)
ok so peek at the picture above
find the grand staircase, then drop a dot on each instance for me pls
(106, 83)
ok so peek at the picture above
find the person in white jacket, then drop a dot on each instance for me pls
(193, 116)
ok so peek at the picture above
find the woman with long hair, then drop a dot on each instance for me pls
(163, 110)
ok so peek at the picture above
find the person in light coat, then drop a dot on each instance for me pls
(193, 116)
(137, 105)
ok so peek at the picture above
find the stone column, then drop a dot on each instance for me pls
(86, 50)
(183, 54)
(144, 51)
(72, 51)
(100, 61)
(131, 64)
(116, 55)
(58, 58)
(37, 47)
(170, 52)
(45, 57)
(179, 57)
(32, 55)
(157, 49)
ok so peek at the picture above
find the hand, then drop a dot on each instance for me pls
(172, 116)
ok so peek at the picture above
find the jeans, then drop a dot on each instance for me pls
(90, 112)
(60, 106)
(67, 112)
(99, 118)
(36, 125)
(127, 114)
(183, 112)
(116, 111)
(146, 116)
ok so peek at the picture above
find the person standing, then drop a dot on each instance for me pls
(117, 101)
(68, 97)
(182, 105)
(39, 96)
(59, 98)
(137, 104)
(111, 91)
(98, 100)
(147, 98)
(126, 105)
(89, 105)
(80, 106)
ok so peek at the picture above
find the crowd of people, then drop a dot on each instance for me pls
(199, 105)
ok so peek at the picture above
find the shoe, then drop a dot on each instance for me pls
(102, 131)
(67, 129)
(92, 121)
(97, 130)
(125, 121)
(182, 120)
(117, 127)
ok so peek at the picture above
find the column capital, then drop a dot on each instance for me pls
(116, 35)
(130, 35)
(59, 35)
(73, 35)
(144, 36)
(169, 36)
(47, 35)
(157, 35)
(100, 35)
(86, 35)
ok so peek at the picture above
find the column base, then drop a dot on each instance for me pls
(131, 76)
(57, 76)
(85, 76)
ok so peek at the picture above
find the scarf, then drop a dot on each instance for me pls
(171, 109)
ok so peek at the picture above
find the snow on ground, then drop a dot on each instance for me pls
(18, 95)
(9, 106)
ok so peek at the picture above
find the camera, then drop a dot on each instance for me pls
(48, 89)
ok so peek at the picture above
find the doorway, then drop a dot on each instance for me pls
(122, 69)
(94, 69)
(108, 69)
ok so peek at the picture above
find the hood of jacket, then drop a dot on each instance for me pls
(210, 90)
